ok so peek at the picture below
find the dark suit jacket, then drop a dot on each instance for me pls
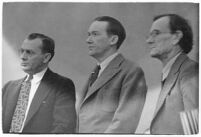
(113, 104)
(52, 109)
(179, 93)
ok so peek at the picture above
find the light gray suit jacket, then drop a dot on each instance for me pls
(179, 93)
(113, 104)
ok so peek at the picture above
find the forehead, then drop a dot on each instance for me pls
(32, 44)
(161, 24)
(98, 26)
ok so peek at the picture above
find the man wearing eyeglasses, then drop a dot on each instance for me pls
(43, 101)
(170, 41)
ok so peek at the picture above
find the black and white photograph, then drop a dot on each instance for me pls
(100, 68)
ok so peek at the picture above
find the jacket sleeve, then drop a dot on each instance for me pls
(5, 125)
(64, 115)
(131, 102)
(189, 85)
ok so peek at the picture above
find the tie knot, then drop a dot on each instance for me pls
(30, 77)
(97, 68)
(94, 74)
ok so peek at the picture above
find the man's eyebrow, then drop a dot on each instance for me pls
(95, 31)
(92, 32)
(155, 30)
(30, 50)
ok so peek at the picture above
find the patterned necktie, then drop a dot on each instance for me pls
(94, 75)
(20, 110)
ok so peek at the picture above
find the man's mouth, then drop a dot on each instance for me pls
(91, 47)
(152, 47)
(24, 64)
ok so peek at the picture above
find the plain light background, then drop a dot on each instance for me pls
(67, 24)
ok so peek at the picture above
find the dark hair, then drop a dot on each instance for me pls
(47, 43)
(114, 27)
(176, 23)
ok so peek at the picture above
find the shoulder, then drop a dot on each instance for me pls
(61, 85)
(11, 84)
(189, 71)
(59, 79)
(189, 67)
(130, 66)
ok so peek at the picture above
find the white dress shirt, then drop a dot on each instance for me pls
(106, 62)
(35, 82)
(165, 73)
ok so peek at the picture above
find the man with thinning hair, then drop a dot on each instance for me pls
(171, 39)
(43, 101)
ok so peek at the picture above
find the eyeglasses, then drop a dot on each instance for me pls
(27, 52)
(156, 33)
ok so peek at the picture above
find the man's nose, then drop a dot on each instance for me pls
(89, 40)
(23, 56)
(150, 40)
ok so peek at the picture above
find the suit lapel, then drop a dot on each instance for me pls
(41, 93)
(83, 94)
(112, 69)
(170, 81)
(12, 100)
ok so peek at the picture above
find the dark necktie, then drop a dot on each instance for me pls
(94, 75)
(162, 81)
(21, 107)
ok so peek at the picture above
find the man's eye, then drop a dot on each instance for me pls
(95, 34)
(30, 52)
(155, 33)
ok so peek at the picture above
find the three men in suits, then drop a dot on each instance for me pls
(170, 40)
(49, 103)
(114, 102)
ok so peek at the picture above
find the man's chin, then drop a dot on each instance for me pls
(154, 55)
(25, 69)
(91, 54)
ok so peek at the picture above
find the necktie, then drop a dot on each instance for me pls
(94, 75)
(162, 81)
(20, 110)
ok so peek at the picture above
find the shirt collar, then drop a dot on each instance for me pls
(38, 76)
(105, 63)
(168, 66)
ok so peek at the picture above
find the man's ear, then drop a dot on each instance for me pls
(177, 37)
(114, 39)
(47, 57)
